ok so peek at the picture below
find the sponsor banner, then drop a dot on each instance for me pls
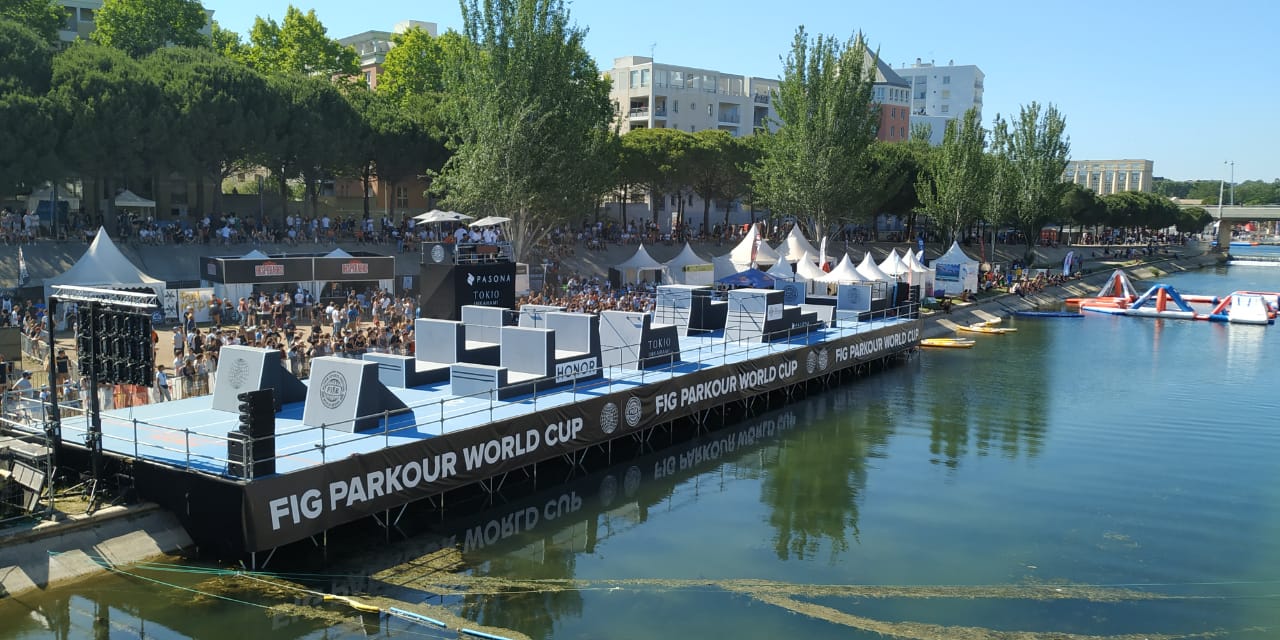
(359, 268)
(237, 271)
(853, 297)
(490, 285)
(577, 369)
(211, 270)
(286, 508)
(948, 272)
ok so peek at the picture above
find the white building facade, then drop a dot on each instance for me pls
(1106, 177)
(940, 94)
(649, 95)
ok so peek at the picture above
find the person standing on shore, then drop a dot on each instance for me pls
(162, 384)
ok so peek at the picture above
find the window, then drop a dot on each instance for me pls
(675, 106)
(709, 107)
(946, 108)
(86, 15)
(921, 79)
(946, 93)
(677, 79)
(635, 78)
(368, 78)
(946, 79)
(644, 77)
(402, 197)
(693, 106)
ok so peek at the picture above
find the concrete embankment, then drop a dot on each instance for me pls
(53, 553)
(1003, 306)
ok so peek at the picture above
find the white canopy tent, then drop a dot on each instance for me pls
(766, 254)
(700, 274)
(745, 252)
(45, 195)
(843, 272)
(436, 215)
(782, 271)
(336, 253)
(807, 267)
(794, 246)
(254, 255)
(639, 262)
(132, 200)
(103, 265)
(490, 221)
(722, 267)
(894, 266)
(955, 272)
(871, 271)
(920, 274)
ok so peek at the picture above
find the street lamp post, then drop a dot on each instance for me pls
(1232, 201)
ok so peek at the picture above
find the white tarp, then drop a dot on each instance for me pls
(782, 271)
(843, 272)
(871, 271)
(490, 221)
(638, 262)
(920, 274)
(745, 252)
(336, 253)
(254, 255)
(955, 272)
(722, 267)
(807, 269)
(102, 265)
(795, 245)
(894, 266)
(436, 215)
(766, 254)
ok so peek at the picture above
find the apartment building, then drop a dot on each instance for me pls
(941, 93)
(372, 47)
(1105, 177)
(893, 93)
(649, 95)
(81, 15)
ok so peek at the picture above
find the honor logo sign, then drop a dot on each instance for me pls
(576, 369)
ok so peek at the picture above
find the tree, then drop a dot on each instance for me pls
(223, 109)
(1032, 152)
(902, 165)
(395, 141)
(28, 135)
(110, 113)
(26, 61)
(416, 63)
(44, 17)
(138, 27)
(954, 191)
(226, 43)
(660, 162)
(530, 118)
(713, 165)
(811, 164)
(298, 45)
(1193, 220)
(1083, 207)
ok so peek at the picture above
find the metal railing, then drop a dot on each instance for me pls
(174, 446)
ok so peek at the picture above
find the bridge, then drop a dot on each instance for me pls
(1240, 213)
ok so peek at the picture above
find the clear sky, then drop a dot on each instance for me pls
(1189, 85)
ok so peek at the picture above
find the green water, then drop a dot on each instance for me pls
(1132, 463)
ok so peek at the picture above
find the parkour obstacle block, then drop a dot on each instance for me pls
(631, 340)
(689, 308)
(242, 369)
(345, 395)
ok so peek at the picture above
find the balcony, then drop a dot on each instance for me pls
(643, 112)
(730, 118)
(761, 98)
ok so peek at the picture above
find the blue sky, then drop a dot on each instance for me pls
(1189, 85)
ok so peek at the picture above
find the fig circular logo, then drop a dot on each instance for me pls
(608, 490)
(437, 253)
(811, 362)
(634, 411)
(631, 481)
(239, 373)
(333, 390)
(609, 417)
(823, 359)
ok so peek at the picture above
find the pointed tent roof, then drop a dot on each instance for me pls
(337, 253)
(893, 265)
(795, 245)
(766, 254)
(781, 271)
(911, 260)
(686, 257)
(639, 260)
(722, 267)
(954, 255)
(745, 251)
(254, 255)
(103, 265)
(128, 198)
(807, 268)
(869, 269)
(844, 272)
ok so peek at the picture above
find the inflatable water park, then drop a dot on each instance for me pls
(1118, 297)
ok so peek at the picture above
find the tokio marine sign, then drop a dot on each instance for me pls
(268, 269)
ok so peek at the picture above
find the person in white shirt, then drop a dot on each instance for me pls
(162, 384)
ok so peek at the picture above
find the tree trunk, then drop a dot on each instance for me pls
(706, 215)
(365, 183)
(284, 196)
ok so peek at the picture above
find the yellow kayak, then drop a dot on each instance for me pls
(947, 343)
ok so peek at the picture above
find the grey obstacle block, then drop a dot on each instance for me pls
(822, 312)
(576, 333)
(440, 343)
(674, 304)
(483, 324)
(527, 354)
(475, 380)
(406, 372)
(534, 316)
(345, 395)
(753, 314)
(242, 369)
(632, 340)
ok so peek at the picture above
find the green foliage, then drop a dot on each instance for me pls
(416, 65)
(1031, 156)
(44, 17)
(138, 27)
(1193, 220)
(901, 165)
(1140, 209)
(813, 165)
(26, 61)
(226, 43)
(714, 165)
(530, 119)
(955, 189)
(1083, 207)
(28, 137)
(658, 157)
(395, 141)
(1256, 192)
(107, 106)
(300, 44)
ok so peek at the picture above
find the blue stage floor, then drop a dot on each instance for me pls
(189, 434)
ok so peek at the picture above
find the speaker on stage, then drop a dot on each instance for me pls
(245, 453)
(258, 413)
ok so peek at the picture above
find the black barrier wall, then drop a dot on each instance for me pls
(446, 288)
(282, 509)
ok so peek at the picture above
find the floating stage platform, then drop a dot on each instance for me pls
(498, 392)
